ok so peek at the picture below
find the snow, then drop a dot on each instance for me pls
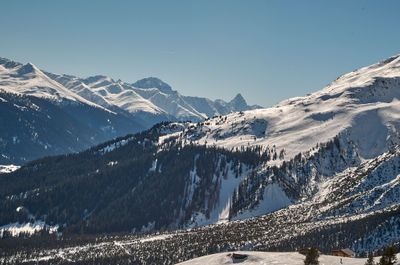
(154, 238)
(114, 145)
(228, 185)
(69, 253)
(27, 228)
(153, 166)
(112, 163)
(8, 168)
(148, 227)
(276, 258)
(274, 198)
(220, 212)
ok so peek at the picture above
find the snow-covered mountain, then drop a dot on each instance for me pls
(33, 127)
(308, 140)
(27, 79)
(113, 95)
(149, 97)
(321, 169)
(363, 104)
(101, 108)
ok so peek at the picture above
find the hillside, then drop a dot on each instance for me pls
(34, 127)
(363, 104)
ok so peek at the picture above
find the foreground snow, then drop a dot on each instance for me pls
(276, 258)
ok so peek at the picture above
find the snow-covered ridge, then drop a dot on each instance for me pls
(151, 99)
(29, 80)
(363, 104)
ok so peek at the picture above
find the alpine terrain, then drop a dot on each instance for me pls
(44, 114)
(321, 170)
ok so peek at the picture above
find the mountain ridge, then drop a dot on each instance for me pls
(76, 84)
(138, 108)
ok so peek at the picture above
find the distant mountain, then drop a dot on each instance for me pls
(97, 109)
(34, 127)
(153, 82)
(150, 98)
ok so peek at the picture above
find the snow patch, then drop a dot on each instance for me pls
(15, 229)
(8, 168)
(115, 145)
(274, 198)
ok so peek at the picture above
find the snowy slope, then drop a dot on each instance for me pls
(278, 258)
(107, 92)
(29, 80)
(264, 258)
(171, 102)
(364, 103)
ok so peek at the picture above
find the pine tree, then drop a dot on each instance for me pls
(388, 256)
(312, 257)
(370, 260)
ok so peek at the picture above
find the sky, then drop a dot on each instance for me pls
(266, 50)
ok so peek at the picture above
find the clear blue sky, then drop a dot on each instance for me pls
(266, 50)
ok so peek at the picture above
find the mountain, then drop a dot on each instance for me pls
(114, 95)
(149, 97)
(153, 82)
(362, 104)
(122, 175)
(316, 170)
(95, 109)
(35, 127)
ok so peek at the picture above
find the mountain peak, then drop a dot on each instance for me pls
(27, 68)
(152, 82)
(239, 103)
(379, 76)
(238, 97)
(7, 63)
(96, 78)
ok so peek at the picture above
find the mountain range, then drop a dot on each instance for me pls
(47, 114)
(322, 170)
